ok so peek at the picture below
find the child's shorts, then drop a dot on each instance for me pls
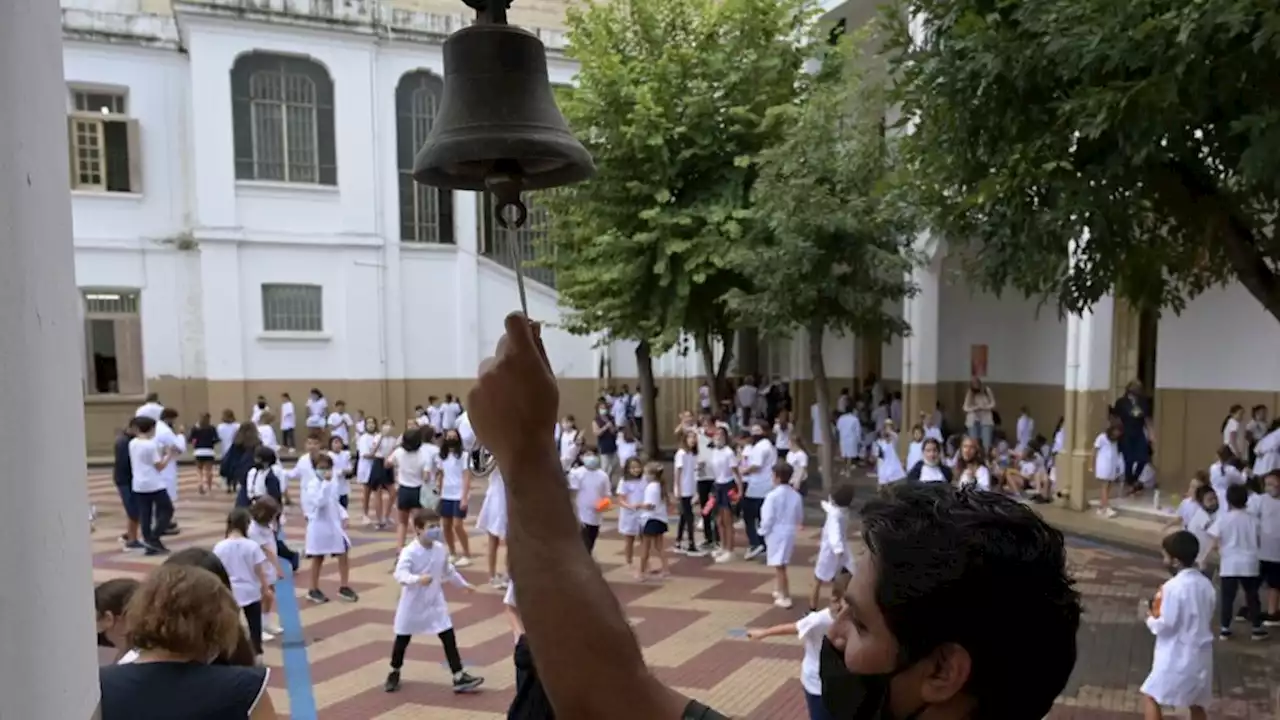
(408, 498)
(654, 527)
(1270, 572)
(344, 501)
(452, 509)
(722, 495)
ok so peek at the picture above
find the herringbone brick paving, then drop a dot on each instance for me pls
(684, 625)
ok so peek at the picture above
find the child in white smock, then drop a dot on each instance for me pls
(834, 554)
(628, 496)
(422, 569)
(1180, 617)
(492, 518)
(781, 516)
(326, 528)
(888, 467)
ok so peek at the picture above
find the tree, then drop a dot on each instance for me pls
(1141, 136)
(671, 95)
(833, 248)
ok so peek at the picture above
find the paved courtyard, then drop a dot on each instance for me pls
(688, 626)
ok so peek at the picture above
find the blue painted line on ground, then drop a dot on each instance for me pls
(297, 666)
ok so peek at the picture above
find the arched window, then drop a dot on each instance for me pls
(282, 110)
(426, 213)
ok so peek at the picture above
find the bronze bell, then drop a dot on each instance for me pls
(499, 116)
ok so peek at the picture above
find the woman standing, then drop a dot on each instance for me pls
(203, 437)
(979, 411)
(237, 461)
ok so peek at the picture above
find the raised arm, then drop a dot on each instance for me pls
(514, 400)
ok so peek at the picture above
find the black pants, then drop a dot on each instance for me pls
(589, 535)
(447, 639)
(253, 616)
(710, 533)
(155, 513)
(287, 438)
(530, 700)
(1227, 601)
(751, 519)
(686, 522)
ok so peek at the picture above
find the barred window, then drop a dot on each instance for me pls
(292, 308)
(282, 111)
(527, 245)
(426, 213)
(112, 343)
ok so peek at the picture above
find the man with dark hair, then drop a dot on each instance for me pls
(924, 627)
(920, 626)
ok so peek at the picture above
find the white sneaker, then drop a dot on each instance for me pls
(777, 595)
(462, 562)
(723, 556)
(368, 521)
(267, 637)
(753, 553)
(783, 602)
(1107, 512)
(273, 630)
(498, 583)
(453, 560)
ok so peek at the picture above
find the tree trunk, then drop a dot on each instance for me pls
(648, 401)
(818, 368)
(713, 371)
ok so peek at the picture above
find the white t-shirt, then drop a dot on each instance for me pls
(241, 557)
(592, 486)
(453, 468)
(653, 496)
(933, 473)
(144, 453)
(449, 415)
(1267, 509)
(338, 423)
(1199, 525)
(227, 435)
(686, 466)
(637, 406)
(151, 410)
(568, 444)
(1107, 462)
(1237, 534)
(267, 436)
(704, 397)
(1222, 477)
(799, 461)
(782, 435)
(746, 396)
(761, 455)
(341, 464)
(1231, 428)
(317, 409)
(288, 417)
(812, 628)
(414, 468)
(255, 413)
(626, 451)
(722, 461)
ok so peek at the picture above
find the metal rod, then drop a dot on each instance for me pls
(511, 228)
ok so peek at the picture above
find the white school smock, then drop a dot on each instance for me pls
(325, 515)
(493, 511)
(815, 419)
(591, 487)
(888, 467)
(1267, 509)
(782, 436)
(1182, 663)
(1108, 462)
(780, 518)
(833, 550)
(1237, 534)
(341, 464)
(915, 453)
(849, 430)
(1026, 430)
(1222, 477)
(423, 609)
(267, 436)
(288, 416)
(631, 490)
(1199, 525)
(317, 411)
(1267, 454)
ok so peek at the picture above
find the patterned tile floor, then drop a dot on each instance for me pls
(684, 624)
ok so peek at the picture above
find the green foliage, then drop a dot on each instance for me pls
(671, 99)
(1151, 127)
(832, 247)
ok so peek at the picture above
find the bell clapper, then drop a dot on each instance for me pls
(511, 214)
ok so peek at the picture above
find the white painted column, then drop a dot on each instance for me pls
(466, 207)
(920, 348)
(1085, 388)
(48, 663)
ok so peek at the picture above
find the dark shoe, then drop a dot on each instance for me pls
(464, 682)
(317, 597)
(156, 549)
(393, 681)
(348, 594)
(134, 545)
(1259, 634)
(170, 531)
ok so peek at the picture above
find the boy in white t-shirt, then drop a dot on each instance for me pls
(1108, 465)
(1266, 507)
(591, 488)
(811, 629)
(1236, 533)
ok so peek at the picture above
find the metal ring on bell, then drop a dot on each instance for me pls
(481, 462)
